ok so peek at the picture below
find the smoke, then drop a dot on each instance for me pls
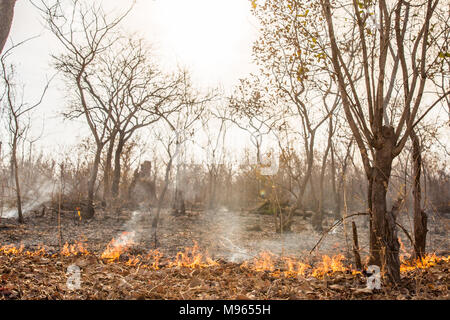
(231, 228)
(33, 196)
(132, 231)
(233, 238)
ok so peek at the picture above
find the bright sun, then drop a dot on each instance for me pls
(212, 37)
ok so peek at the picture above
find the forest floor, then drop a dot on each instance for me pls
(248, 259)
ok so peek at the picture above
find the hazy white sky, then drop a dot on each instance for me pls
(213, 38)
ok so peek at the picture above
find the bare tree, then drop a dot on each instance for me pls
(85, 32)
(17, 110)
(299, 85)
(214, 149)
(148, 94)
(401, 39)
(178, 128)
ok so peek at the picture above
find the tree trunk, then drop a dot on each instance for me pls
(336, 198)
(369, 208)
(178, 204)
(212, 189)
(116, 174)
(420, 218)
(384, 251)
(6, 18)
(356, 247)
(91, 185)
(108, 168)
(16, 179)
(318, 217)
(160, 201)
(302, 186)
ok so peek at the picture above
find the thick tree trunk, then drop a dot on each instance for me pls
(385, 246)
(420, 218)
(369, 207)
(91, 185)
(6, 18)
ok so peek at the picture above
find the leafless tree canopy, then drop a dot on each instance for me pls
(341, 125)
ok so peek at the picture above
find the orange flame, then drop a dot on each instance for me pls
(264, 262)
(115, 248)
(329, 265)
(12, 250)
(74, 249)
(295, 268)
(192, 258)
(425, 262)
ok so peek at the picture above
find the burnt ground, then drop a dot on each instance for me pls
(232, 236)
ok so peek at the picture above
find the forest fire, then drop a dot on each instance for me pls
(425, 262)
(310, 163)
(264, 262)
(194, 257)
(75, 249)
(291, 267)
(329, 264)
(12, 250)
(295, 268)
(116, 248)
(150, 260)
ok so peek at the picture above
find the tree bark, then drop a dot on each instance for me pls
(385, 246)
(6, 18)
(356, 247)
(420, 218)
(336, 198)
(16, 179)
(108, 168)
(318, 217)
(91, 185)
(117, 169)
(302, 185)
(161, 201)
(212, 189)
(178, 204)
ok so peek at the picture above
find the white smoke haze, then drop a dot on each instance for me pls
(124, 239)
(33, 197)
(132, 231)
